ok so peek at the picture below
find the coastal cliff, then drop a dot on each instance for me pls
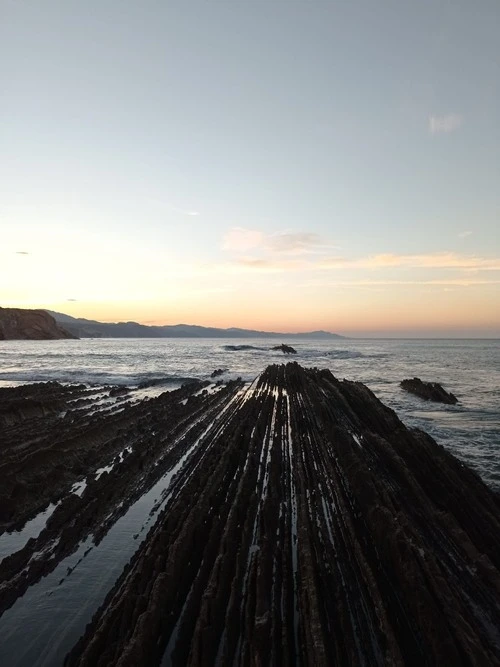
(24, 324)
(297, 521)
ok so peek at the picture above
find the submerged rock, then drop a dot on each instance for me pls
(286, 349)
(430, 391)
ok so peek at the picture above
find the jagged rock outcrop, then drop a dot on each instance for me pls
(429, 391)
(24, 324)
(286, 349)
(218, 372)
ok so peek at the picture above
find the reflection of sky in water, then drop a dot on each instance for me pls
(11, 542)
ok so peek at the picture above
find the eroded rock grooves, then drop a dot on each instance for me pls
(298, 522)
(312, 529)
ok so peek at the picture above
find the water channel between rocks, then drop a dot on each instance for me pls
(43, 625)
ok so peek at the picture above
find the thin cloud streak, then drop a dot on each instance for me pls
(458, 282)
(175, 209)
(440, 260)
(437, 261)
(240, 239)
(445, 124)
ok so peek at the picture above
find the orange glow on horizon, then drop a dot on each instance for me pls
(384, 313)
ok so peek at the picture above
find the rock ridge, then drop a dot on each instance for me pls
(318, 531)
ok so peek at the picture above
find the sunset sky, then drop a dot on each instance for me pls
(272, 164)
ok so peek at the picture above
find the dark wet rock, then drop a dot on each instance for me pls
(118, 391)
(218, 371)
(43, 457)
(158, 382)
(312, 528)
(286, 349)
(430, 391)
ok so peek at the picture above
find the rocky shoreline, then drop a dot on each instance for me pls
(302, 523)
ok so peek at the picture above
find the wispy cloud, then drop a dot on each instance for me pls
(184, 211)
(445, 124)
(175, 209)
(239, 239)
(464, 235)
(269, 265)
(293, 243)
(22, 252)
(382, 262)
(456, 282)
(438, 260)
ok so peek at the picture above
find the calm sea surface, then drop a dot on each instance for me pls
(468, 368)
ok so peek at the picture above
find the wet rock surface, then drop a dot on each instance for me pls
(308, 526)
(429, 391)
(114, 450)
(302, 523)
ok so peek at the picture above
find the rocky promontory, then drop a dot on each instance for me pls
(296, 521)
(24, 324)
(429, 391)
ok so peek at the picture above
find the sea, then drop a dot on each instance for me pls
(468, 368)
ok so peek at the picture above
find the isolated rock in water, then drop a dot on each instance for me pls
(430, 391)
(286, 349)
(25, 324)
(218, 371)
(309, 527)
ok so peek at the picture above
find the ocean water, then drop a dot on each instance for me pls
(468, 368)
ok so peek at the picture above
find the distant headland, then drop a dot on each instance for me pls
(25, 324)
(83, 328)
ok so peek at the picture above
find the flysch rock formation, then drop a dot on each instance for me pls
(304, 524)
(429, 391)
(25, 324)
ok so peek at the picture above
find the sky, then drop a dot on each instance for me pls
(279, 165)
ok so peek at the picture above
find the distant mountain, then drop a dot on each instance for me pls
(92, 329)
(28, 324)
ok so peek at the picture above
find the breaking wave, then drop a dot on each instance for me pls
(353, 354)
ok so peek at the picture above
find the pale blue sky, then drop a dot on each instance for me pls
(372, 127)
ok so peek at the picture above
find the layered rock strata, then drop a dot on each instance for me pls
(314, 529)
(55, 436)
